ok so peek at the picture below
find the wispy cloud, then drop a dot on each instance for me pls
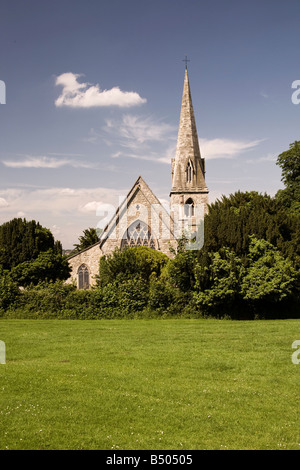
(85, 95)
(270, 157)
(225, 148)
(29, 161)
(138, 137)
(136, 130)
(149, 139)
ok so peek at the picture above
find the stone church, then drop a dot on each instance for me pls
(141, 220)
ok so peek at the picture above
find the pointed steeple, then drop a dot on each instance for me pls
(188, 166)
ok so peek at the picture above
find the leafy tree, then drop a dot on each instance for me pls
(270, 277)
(90, 237)
(48, 266)
(289, 161)
(218, 276)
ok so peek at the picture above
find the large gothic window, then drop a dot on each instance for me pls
(189, 172)
(189, 208)
(83, 277)
(138, 234)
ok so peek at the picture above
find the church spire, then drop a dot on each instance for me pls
(188, 166)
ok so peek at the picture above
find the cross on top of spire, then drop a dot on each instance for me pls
(186, 60)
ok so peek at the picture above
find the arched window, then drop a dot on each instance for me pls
(189, 172)
(138, 234)
(83, 277)
(189, 208)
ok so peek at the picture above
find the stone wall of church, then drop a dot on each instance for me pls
(144, 207)
(90, 257)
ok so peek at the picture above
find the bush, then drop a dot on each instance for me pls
(180, 271)
(137, 262)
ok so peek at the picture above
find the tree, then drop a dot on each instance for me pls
(22, 240)
(48, 266)
(218, 276)
(9, 291)
(90, 237)
(234, 218)
(289, 161)
(269, 277)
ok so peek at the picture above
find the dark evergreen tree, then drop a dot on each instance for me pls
(22, 240)
(233, 219)
(30, 253)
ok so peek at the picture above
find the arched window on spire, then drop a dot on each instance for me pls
(189, 172)
(189, 208)
(83, 277)
(138, 234)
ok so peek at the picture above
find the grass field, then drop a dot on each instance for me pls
(149, 384)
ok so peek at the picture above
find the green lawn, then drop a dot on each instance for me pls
(149, 384)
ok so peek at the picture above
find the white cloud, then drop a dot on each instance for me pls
(133, 135)
(21, 214)
(135, 131)
(55, 230)
(30, 161)
(3, 202)
(85, 95)
(65, 211)
(225, 148)
(139, 130)
(91, 206)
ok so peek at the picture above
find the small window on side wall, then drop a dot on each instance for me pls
(83, 277)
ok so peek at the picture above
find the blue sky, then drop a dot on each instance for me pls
(93, 95)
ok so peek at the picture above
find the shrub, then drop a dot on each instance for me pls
(180, 271)
(131, 263)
